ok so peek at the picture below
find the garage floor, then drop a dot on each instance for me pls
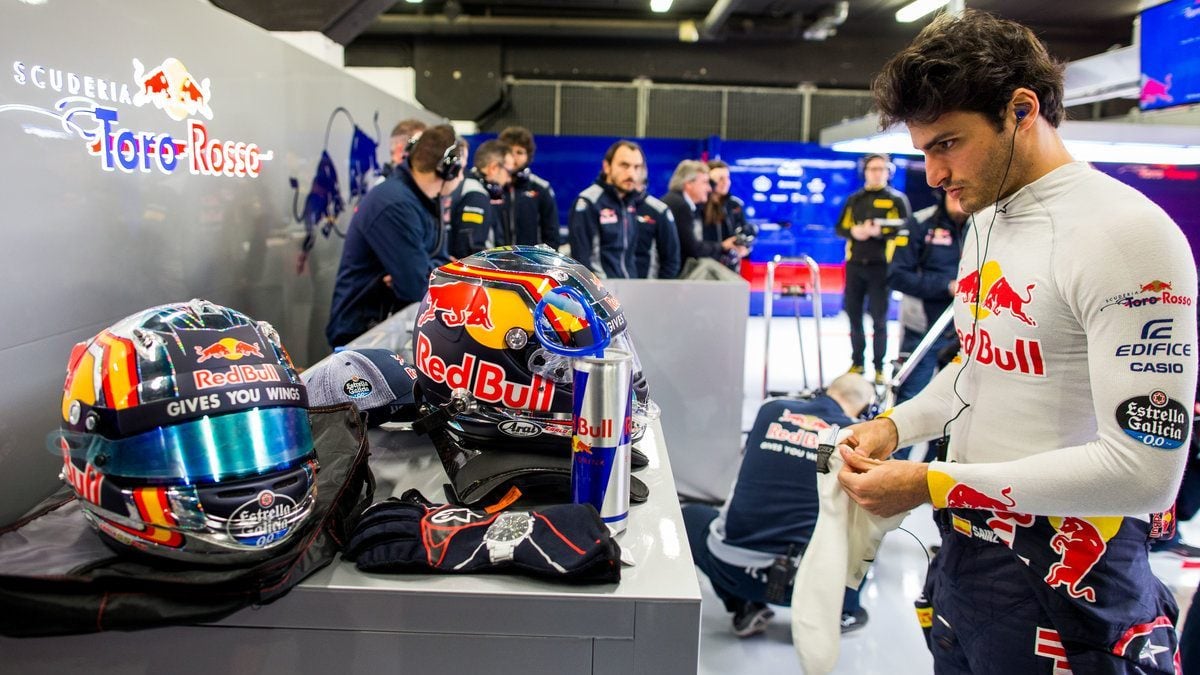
(891, 642)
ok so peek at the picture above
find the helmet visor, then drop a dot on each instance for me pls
(207, 449)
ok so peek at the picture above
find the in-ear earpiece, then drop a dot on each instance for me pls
(1021, 113)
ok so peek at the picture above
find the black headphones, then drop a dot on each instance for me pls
(522, 176)
(495, 191)
(448, 167)
(866, 159)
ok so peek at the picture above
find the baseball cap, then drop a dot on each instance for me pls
(377, 381)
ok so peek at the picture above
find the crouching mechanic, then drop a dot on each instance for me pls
(1070, 407)
(773, 507)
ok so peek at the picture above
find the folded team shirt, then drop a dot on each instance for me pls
(377, 381)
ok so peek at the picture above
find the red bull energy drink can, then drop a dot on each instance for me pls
(600, 445)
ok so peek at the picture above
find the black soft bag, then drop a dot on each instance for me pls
(58, 578)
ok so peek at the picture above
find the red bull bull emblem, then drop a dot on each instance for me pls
(1002, 522)
(485, 380)
(998, 295)
(230, 349)
(458, 304)
(170, 87)
(1081, 546)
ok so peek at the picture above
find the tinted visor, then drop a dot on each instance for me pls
(207, 449)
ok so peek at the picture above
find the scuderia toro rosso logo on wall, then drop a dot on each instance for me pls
(89, 108)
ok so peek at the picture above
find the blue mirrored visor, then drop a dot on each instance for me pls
(210, 448)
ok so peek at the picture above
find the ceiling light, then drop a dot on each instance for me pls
(413, 2)
(919, 8)
(1118, 142)
(660, 6)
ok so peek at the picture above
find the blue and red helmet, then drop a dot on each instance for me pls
(185, 435)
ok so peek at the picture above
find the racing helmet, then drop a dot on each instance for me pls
(185, 436)
(474, 337)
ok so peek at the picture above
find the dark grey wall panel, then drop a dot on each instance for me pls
(762, 116)
(677, 112)
(589, 110)
(84, 247)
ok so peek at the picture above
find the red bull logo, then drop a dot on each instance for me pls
(1154, 90)
(237, 374)
(457, 304)
(1025, 356)
(998, 295)
(172, 89)
(1156, 286)
(802, 420)
(1081, 545)
(1002, 523)
(578, 445)
(485, 380)
(86, 482)
(801, 437)
(230, 349)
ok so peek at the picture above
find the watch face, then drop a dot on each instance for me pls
(509, 527)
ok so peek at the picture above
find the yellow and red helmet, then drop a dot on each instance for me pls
(185, 435)
(475, 333)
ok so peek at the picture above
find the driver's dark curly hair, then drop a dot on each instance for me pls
(968, 62)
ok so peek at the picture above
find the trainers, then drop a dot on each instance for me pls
(852, 621)
(856, 370)
(752, 619)
(880, 380)
(1177, 548)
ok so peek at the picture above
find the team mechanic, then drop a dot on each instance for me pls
(1068, 422)
(631, 233)
(869, 248)
(532, 214)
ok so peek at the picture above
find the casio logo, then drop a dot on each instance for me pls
(520, 429)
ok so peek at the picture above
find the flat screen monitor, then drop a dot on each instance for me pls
(1170, 54)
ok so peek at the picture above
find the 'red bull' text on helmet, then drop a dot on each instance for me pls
(474, 337)
(185, 435)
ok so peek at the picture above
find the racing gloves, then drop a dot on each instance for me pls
(566, 542)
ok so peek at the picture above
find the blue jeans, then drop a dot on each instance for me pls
(736, 586)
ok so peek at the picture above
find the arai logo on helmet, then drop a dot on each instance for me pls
(520, 428)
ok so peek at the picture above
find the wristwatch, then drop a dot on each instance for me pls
(505, 533)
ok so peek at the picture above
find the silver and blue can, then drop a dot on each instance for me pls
(600, 444)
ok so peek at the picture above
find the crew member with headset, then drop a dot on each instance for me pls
(477, 216)
(868, 251)
(618, 230)
(529, 199)
(395, 239)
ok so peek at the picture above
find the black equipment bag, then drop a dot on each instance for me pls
(58, 578)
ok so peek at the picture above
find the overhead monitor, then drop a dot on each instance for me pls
(1170, 54)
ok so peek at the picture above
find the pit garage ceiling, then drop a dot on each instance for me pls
(776, 43)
